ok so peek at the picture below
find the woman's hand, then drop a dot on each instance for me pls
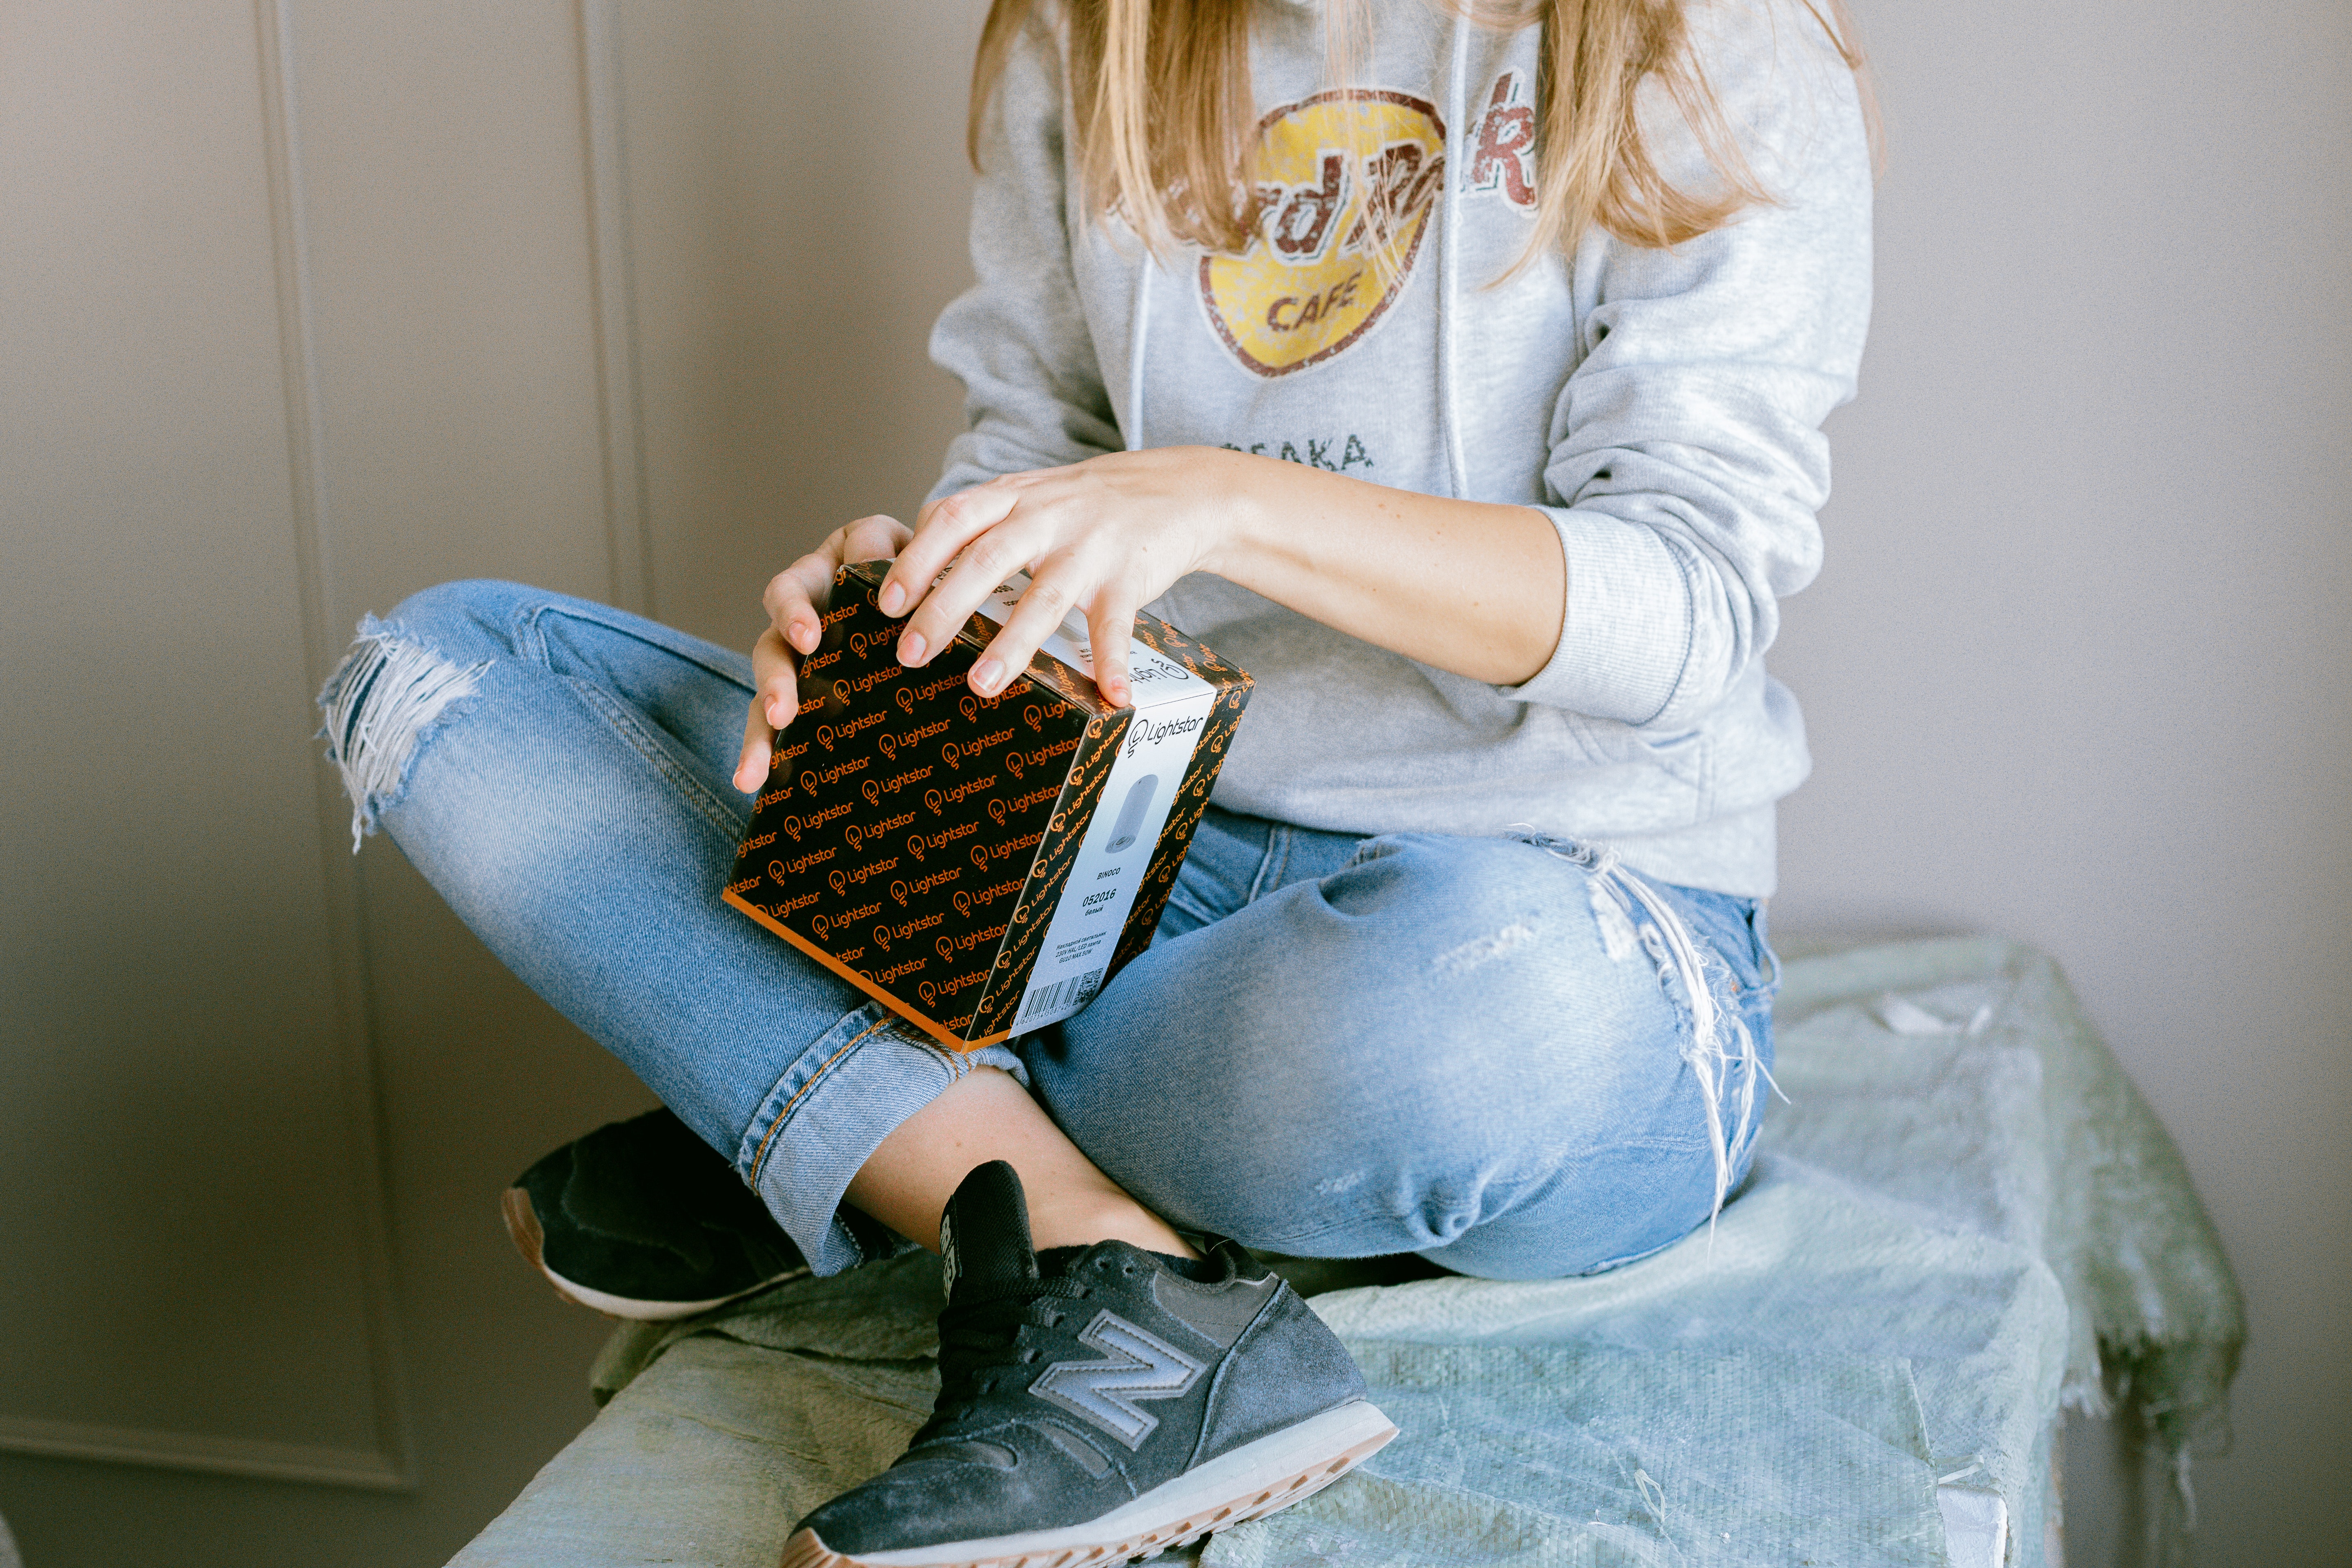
(1105, 537)
(1474, 588)
(795, 601)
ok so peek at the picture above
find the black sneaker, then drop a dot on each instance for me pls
(1098, 1404)
(643, 1219)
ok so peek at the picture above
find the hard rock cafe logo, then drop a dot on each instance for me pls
(1345, 183)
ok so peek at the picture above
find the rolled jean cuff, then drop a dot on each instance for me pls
(829, 1112)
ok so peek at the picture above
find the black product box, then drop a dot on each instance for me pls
(981, 865)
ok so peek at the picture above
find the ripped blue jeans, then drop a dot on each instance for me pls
(1513, 1056)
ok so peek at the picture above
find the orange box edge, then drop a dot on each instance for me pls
(930, 1027)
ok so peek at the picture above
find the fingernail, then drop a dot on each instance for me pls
(911, 649)
(987, 676)
(892, 598)
(803, 636)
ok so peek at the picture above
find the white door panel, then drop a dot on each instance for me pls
(304, 305)
(169, 936)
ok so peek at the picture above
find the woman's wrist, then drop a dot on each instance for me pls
(1232, 514)
(1256, 495)
(1474, 588)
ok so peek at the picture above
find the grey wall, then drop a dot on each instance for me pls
(2080, 666)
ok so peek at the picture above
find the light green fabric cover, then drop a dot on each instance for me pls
(1946, 1233)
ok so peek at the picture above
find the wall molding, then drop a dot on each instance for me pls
(621, 404)
(389, 1464)
(393, 1462)
(317, 1465)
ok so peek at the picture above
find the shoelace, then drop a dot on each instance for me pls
(980, 1340)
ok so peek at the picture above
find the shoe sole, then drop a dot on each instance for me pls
(1254, 1480)
(531, 1240)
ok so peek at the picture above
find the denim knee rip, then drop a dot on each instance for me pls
(1720, 1046)
(380, 703)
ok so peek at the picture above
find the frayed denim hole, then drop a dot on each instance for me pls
(1575, 851)
(1482, 950)
(1684, 964)
(382, 703)
(1613, 920)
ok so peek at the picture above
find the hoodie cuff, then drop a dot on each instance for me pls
(1625, 632)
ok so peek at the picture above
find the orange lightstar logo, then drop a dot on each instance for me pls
(1344, 183)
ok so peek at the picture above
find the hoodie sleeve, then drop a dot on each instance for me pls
(1018, 339)
(1686, 455)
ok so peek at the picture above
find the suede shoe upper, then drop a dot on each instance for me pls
(644, 1211)
(1073, 1383)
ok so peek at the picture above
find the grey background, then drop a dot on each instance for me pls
(308, 304)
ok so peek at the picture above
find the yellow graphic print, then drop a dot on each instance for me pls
(1345, 181)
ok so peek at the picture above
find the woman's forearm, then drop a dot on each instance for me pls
(1474, 588)
(1469, 586)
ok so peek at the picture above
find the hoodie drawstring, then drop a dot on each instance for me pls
(1138, 338)
(1449, 413)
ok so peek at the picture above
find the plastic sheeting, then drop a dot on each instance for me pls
(1963, 1214)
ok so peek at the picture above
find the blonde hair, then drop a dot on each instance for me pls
(1165, 114)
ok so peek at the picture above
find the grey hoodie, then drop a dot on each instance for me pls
(1662, 407)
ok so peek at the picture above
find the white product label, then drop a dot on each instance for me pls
(1171, 713)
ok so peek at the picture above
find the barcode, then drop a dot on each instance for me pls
(1072, 992)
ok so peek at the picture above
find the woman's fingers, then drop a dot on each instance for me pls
(796, 598)
(774, 699)
(874, 539)
(943, 529)
(979, 572)
(794, 612)
(1105, 535)
(774, 672)
(1035, 617)
(1110, 622)
(758, 746)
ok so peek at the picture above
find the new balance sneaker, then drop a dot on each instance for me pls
(643, 1219)
(1099, 1402)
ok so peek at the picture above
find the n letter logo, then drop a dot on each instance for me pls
(1139, 1366)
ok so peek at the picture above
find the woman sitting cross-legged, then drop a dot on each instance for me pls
(1460, 379)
